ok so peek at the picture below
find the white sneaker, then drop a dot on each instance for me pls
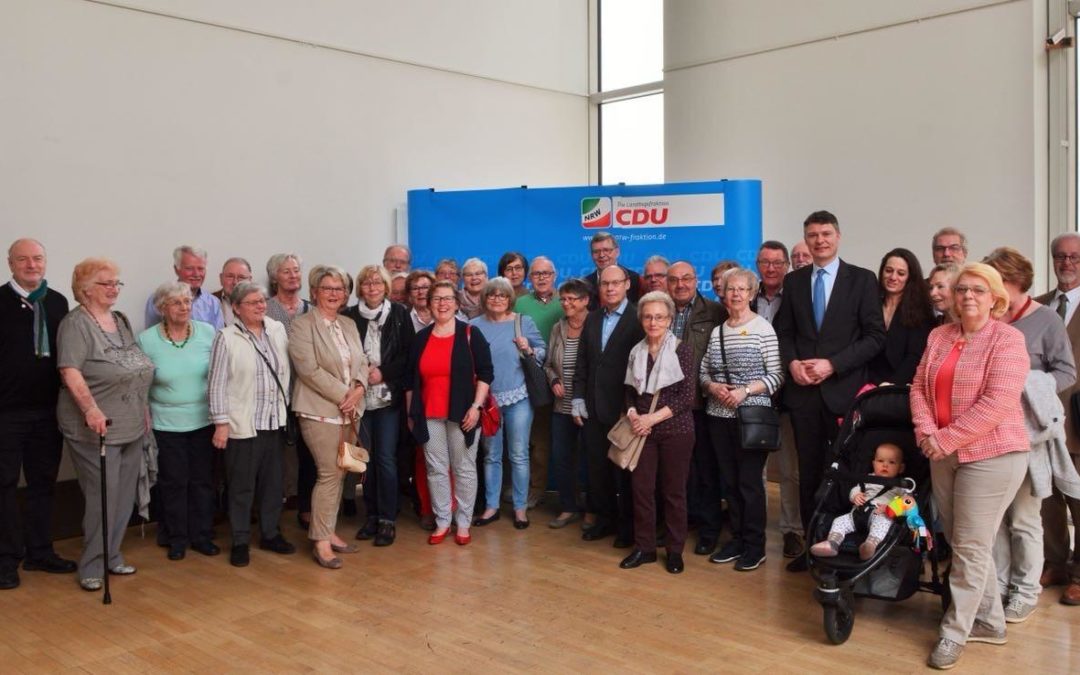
(1017, 611)
(981, 632)
(91, 584)
(945, 655)
(122, 570)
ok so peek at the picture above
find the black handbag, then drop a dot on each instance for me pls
(536, 382)
(759, 425)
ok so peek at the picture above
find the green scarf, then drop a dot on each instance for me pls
(41, 328)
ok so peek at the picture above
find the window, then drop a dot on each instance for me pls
(631, 96)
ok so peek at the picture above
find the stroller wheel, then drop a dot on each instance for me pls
(839, 620)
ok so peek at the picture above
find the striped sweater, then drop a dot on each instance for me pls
(753, 355)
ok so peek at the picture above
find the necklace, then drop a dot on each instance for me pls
(123, 344)
(165, 330)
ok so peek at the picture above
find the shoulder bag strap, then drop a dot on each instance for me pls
(269, 367)
(723, 355)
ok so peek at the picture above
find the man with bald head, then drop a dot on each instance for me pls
(694, 320)
(607, 337)
(30, 440)
(397, 258)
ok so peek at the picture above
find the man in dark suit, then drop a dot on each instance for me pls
(607, 337)
(694, 320)
(1062, 566)
(829, 325)
(605, 253)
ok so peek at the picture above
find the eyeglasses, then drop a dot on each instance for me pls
(685, 279)
(541, 274)
(951, 248)
(655, 318)
(977, 291)
(736, 289)
(332, 289)
(424, 289)
(570, 298)
(109, 284)
(498, 296)
(516, 267)
(373, 283)
(443, 300)
(775, 264)
(656, 275)
(1072, 259)
(179, 302)
(399, 261)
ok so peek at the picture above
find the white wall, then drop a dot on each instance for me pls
(251, 127)
(899, 117)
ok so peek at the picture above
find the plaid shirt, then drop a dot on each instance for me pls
(987, 418)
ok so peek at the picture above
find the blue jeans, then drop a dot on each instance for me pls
(566, 446)
(516, 422)
(379, 433)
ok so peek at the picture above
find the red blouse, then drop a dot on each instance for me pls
(943, 386)
(435, 375)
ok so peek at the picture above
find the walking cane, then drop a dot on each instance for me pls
(107, 599)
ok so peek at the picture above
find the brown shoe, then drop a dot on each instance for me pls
(1053, 576)
(1071, 595)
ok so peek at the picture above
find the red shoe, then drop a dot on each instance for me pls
(437, 537)
(463, 539)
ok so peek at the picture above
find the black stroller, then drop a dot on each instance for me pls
(895, 571)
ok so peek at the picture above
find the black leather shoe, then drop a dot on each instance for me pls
(9, 579)
(520, 524)
(177, 552)
(596, 532)
(277, 545)
(637, 559)
(623, 541)
(385, 535)
(674, 563)
(206, 547)
(369, 530)
(52, 564)
(239, 556)
(480, 522)
(798, 564)
(705, 546)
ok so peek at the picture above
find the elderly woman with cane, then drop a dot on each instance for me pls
(102, 406)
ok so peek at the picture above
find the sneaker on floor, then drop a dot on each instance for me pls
(1017, 611)
(945, 655)
(981, 632)
(793, 545)
(749, 561)
(729, 552)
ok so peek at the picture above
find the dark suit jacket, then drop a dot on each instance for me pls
(594, 287)
(904, 347)
(704, 316)
(852, 333)
(1072, 439)
(600, 374)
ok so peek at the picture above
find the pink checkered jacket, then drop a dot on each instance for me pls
(987, 418)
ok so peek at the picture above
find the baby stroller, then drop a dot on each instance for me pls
(894, 572)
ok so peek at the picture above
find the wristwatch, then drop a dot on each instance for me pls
(747, 389)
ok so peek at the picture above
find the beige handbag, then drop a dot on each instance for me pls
(352, 457)
(625, 444)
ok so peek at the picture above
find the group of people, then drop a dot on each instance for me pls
(450, 370)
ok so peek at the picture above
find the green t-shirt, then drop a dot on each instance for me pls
(178, 396)
(544, 316)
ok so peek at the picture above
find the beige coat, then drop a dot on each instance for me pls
(1072, 439)
(319, 387)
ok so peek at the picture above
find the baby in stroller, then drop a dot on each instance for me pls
(870, 498)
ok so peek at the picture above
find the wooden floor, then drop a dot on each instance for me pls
(535, 601)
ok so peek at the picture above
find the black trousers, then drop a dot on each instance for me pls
(609, 493)
(705, 486)
(186, 484)
(815, 430)
(744, 484)
(253, 467)
(29, 440)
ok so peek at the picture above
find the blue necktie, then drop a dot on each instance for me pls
(819, 298)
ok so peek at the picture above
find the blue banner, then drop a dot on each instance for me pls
(702, 223)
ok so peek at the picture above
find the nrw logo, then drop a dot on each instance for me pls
(596, 212)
